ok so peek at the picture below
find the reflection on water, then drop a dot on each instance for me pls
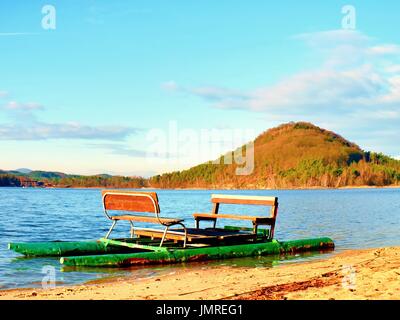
(352, 218)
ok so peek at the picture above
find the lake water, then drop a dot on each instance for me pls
(361, 218)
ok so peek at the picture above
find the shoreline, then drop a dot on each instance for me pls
(216, 189)
(350, 274)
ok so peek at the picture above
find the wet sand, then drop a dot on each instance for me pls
(353, 274)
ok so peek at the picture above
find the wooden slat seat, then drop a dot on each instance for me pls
(146, 219)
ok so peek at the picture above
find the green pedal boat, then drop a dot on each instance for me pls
(174, 242)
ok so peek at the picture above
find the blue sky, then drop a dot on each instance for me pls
(83, 97)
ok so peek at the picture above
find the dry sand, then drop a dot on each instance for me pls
(356, 274)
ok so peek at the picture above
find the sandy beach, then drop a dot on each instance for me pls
(355, 274)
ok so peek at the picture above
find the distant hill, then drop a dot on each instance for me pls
(16, 178)
(293, 155)
(24, 170)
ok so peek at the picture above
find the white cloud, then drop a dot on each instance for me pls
(26, 126)
(121, 149)
(11, 34)
(376, 115)
(29, 106)
(212, 93)
(216, 93)
(170, 86)
(394, 68)
(384, 49)
(45, 131)
(393, 94)
(333, 38)
(340, 83)
(319, 90)
(355, 89)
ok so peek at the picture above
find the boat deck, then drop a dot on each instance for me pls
(194, 235)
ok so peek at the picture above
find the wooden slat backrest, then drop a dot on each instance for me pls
(130, 201)
(238, 199)
(218, 199)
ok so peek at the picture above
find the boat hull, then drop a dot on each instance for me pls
(273, 247)
(65, 248)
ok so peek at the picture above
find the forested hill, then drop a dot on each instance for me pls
(62, 180)
(293, 155)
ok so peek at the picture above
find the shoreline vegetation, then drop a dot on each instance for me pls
(291, 156)
(373, 274)
(225, 189)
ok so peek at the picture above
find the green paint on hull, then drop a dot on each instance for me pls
(200, 254)
(65, 248)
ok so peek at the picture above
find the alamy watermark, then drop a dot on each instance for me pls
(49, 278)
(349, 20)
(49, 19)
(179, 146)
(349, 277)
